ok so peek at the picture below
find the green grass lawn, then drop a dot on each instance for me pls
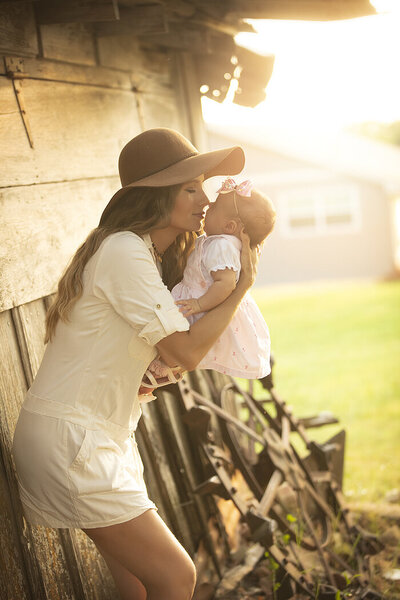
(337, 348)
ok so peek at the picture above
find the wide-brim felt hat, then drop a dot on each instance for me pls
(163, 157)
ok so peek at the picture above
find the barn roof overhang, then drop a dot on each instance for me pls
(205, 28)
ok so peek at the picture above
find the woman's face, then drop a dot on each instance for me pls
(189, 209)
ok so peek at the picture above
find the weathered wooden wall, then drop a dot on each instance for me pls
(69, 101)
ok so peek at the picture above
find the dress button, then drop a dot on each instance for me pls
(158, 305)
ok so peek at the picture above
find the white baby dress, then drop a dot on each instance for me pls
(243, 349)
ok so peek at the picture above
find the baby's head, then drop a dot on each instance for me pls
(254, 210)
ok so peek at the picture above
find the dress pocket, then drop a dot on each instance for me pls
(82, 452)
(100, 465)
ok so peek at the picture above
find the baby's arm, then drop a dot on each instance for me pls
(224, 284)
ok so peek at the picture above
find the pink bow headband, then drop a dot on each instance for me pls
(242, 189)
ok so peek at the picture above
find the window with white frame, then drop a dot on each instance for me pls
(320, 210)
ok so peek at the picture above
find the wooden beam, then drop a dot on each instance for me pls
(318, 10)
(223, 26)
(86, 127)
(179, 7)
(196, 41)
(48, 70)
(39, 235)
(140, 20)
(75, 11)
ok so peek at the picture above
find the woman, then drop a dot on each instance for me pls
(75, 453)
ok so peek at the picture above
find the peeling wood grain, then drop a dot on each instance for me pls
(159, 111)
(71, 565)
(120, 52)
(189, 474)
(138, 20)
(152, 433)
(13, 581)
(18, 28)
(151, 479)
(69, 11)
(12, 391)
(72, 42)
(42, 228)
(94, 574)
(29, 326)
(86, 127)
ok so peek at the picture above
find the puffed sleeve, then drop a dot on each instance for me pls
(222, 253)
(127, 278)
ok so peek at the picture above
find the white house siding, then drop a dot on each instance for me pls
(359, 249)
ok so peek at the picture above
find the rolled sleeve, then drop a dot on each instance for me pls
(127, 278)
(165, 323)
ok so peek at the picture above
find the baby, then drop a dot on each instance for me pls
(211, 274)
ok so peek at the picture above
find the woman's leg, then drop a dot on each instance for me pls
(129, 586)
(145, 547)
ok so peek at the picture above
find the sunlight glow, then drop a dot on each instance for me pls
(327, 75)
(385, 5)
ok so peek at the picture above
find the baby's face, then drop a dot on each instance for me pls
(219, 214)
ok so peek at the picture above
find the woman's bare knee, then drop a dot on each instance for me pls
(175, 583)
(149, 550)
(129, 586)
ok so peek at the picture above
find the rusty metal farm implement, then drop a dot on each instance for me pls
(293, 504)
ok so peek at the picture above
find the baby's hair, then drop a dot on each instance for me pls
(258, 216)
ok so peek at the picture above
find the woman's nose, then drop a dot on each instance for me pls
(203, 200)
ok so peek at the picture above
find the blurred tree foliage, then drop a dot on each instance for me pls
(385, 132)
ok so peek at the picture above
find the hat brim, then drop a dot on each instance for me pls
(227, 161)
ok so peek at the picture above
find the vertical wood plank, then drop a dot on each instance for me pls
(13, 579)
(189, 88)
(120, 52)
(12, 391)
(69, 42)
(42, 227)
(29, 326)
(150, 478)
(197, 507)
(78, 560)
(151, 429)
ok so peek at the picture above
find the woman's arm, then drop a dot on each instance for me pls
(224, 284)
(187, 348)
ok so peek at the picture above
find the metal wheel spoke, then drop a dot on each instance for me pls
(306, 509)
(270, 492)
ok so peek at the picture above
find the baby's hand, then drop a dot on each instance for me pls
(190, 306)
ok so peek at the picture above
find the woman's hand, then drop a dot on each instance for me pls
(249, 261)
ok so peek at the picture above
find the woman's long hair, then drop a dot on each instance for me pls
(140, 210)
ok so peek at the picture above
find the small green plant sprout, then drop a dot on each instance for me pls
(350, 578)
(277, 585)
(291, 518)
(299, 527)
(274, 567)
(355, 544)
(317, 589)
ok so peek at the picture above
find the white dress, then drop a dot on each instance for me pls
(243, 349)
(74, 447)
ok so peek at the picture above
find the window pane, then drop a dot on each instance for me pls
(342, 219)
(302, 222)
